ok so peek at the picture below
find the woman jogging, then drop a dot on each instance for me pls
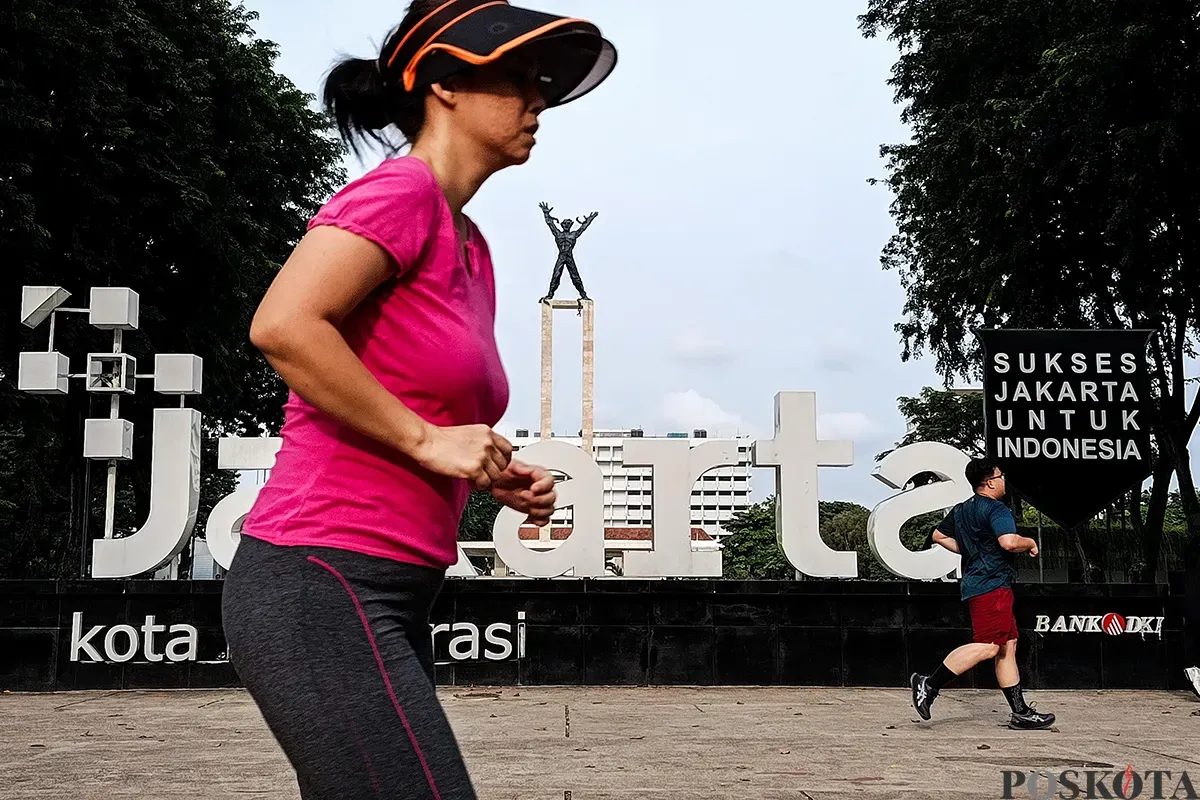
(381, 324)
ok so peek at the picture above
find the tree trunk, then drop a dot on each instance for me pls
(1156, 513)
(1136, 521)
(1092, 573)
(1187, 495)
(1135, 532)
(1191, 560)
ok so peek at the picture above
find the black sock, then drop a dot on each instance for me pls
(940, 678)
(1016, 700)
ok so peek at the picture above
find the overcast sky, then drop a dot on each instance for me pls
(736, 252)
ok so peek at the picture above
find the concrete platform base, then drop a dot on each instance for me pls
(614, 744)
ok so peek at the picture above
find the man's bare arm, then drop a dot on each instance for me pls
(1015, 543)
(945, 541)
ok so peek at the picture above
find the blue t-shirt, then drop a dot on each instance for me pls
(977, 525)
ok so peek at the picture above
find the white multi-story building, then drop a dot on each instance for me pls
(629, 491)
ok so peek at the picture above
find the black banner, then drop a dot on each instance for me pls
(1068, 416)
(150, 635)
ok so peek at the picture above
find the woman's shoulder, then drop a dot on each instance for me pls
(406, 168)
(399, 179)
(397, 205)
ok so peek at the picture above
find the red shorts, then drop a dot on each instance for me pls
(992, 620)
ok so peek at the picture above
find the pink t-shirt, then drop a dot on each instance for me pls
(427, 334)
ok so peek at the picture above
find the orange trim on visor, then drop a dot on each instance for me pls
(421, 53)
(417, 27)
(410, 71)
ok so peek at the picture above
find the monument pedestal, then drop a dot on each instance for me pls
(586, 310)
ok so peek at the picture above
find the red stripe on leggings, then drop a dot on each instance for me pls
(412, 737)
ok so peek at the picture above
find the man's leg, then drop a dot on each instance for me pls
(991, 624)
(1007, 671)
(1008, 674)
(925, 688)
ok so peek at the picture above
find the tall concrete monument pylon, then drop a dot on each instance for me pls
(586, 310)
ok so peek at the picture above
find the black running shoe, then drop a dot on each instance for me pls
(1031, 720)
(922, 695)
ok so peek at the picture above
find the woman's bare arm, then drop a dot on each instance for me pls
(296, 327)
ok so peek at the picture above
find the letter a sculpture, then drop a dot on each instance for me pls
(566, 238)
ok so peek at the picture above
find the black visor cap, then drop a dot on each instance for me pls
(572, 57)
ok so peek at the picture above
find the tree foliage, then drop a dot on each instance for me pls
(478, 517)
(938, 415)
(1051, 180)
(751, 551)
(148, 144)
(944, 416)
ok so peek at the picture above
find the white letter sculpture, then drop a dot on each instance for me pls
(796, 453)
(582, 554)
(677, 466)
(223, 531)
(883, 526)
(174, 501)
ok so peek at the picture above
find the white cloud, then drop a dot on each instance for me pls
(850, 425)
(701, 347)
(685, 411)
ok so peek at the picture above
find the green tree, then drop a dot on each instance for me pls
(827, 510)
(917, 533)
(751, 552)
(845, 528)
(946, 416)
(1051, 181)
(941, 415)
(476, 523)
(148, 144)
(478, 517)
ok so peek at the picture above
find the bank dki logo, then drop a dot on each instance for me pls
(1112, 624)
(1075, 785)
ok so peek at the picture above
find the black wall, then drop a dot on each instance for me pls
(689, 632)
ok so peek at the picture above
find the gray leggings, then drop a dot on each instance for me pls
(335, 649)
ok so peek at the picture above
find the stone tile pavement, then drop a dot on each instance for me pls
(611, 743)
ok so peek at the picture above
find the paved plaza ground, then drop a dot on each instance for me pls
(609, 743)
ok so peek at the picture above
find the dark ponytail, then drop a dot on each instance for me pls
(364, 98)
(363, 106)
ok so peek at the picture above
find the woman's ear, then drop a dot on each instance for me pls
(439, 91)
(447, 90)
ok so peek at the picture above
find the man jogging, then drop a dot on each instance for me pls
(982, 530)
